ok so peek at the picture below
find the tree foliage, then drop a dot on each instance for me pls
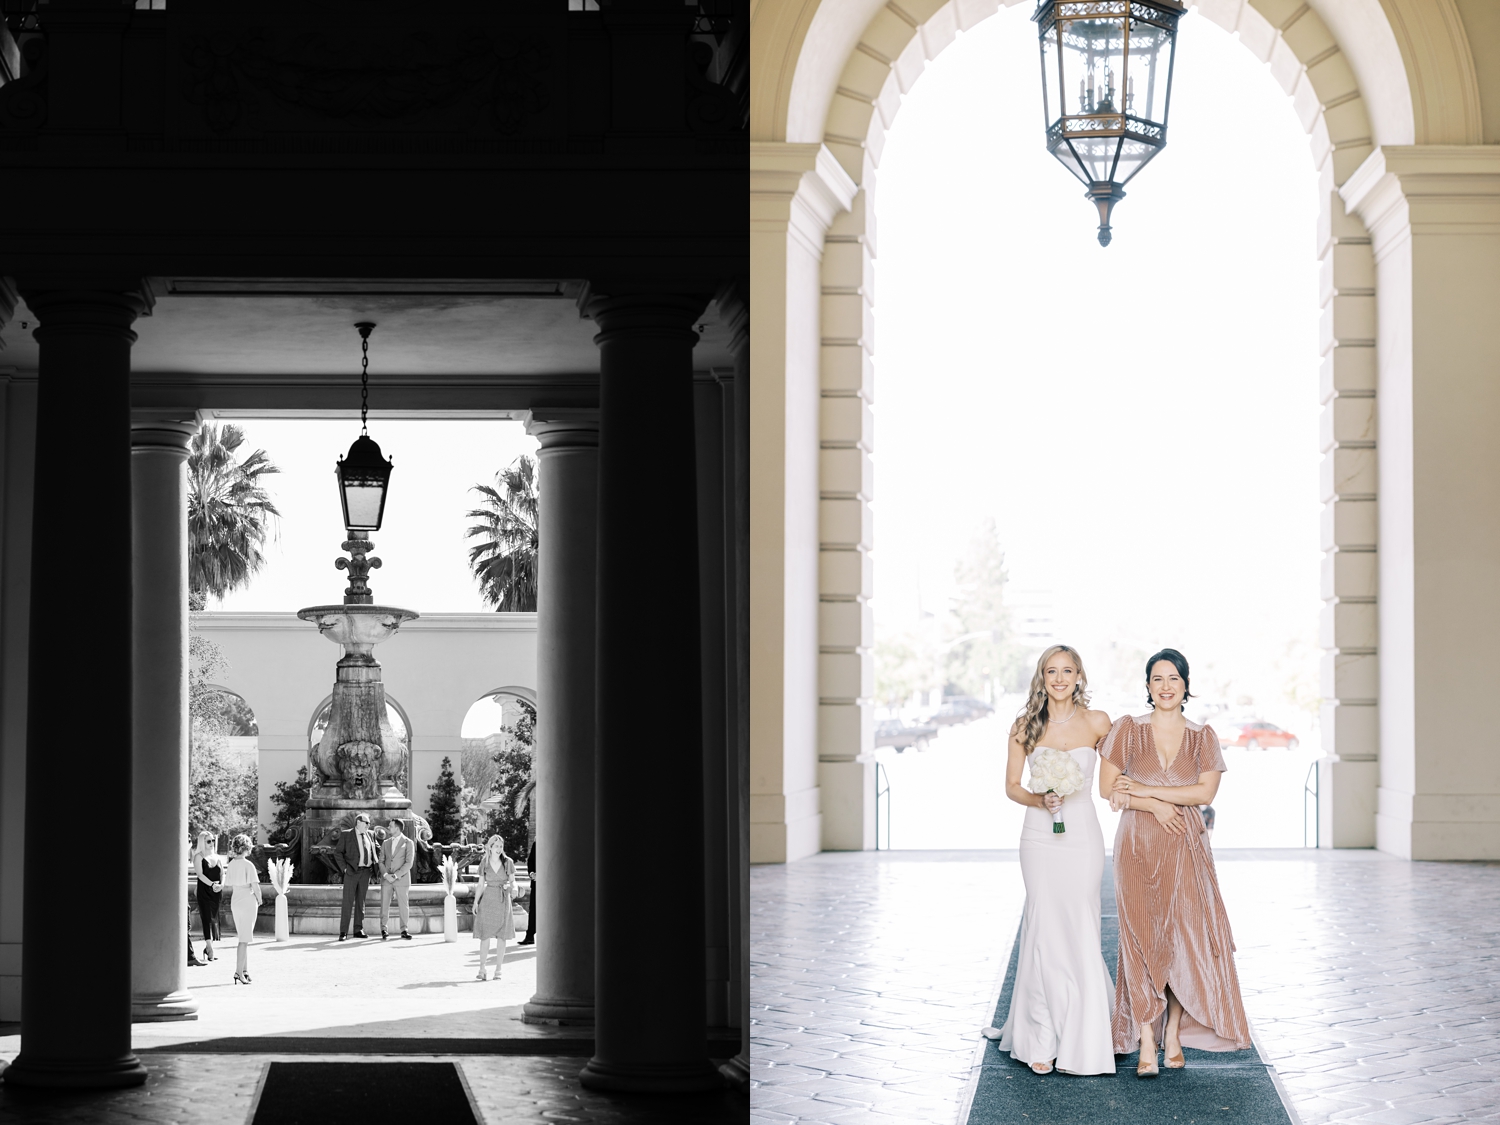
(979, 607)
(965, 649)
(229, 512)
(445, 807)
(504, 559)
(290, 800)
(513, 763)
(222, 791)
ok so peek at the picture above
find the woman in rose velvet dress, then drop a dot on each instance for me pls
(1176, 983)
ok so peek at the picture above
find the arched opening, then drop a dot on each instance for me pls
(223, 764)
(834, 105)
(499, 746)
(1117, 449)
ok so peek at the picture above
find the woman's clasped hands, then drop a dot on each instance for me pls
(1168, 815)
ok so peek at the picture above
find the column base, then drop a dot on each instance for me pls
(178, 1005)
(559, 1011)
(1347, 803)
(669, 1078)
(737, 1072)
(73, 1075)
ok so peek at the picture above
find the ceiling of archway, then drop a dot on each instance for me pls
(275, 328)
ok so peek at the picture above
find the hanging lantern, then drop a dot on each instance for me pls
(1106, 89)
(364, 474)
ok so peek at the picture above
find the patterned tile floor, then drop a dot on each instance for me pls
(317, 988)
(218, 1090)
(1372, 984)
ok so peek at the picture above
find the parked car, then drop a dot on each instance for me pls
(1255, 734)
(894, 732)
(958, 709)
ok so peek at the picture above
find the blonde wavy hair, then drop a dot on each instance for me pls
(1032, 719)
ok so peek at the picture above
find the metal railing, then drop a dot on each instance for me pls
(1310, 789)
(885, 793)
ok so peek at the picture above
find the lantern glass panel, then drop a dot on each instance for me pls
(1148, 69)
(1052, 101)
(1093, 65)
(363, 500)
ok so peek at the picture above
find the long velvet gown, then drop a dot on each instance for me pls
(1174, 930)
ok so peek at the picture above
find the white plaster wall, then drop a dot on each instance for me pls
(436, 668)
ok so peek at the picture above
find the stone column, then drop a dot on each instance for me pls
(568, 489)
(1433, 216)
(158, 918)
(75, 1013)
(708, 427)
(17, 463)
(734, 307)
(649, 1027)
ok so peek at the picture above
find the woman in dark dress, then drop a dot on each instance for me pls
(209, 867)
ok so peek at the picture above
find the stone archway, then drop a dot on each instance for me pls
(820, 111)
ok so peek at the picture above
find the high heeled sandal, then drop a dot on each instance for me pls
(1177, 1061)
(1040, 1068)
(1144, 1069)
(481, 976)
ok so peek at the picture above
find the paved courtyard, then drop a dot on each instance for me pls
(363, 999)
(1372, 984)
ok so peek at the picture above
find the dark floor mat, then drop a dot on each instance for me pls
(328, 1093)
(1229, 1086)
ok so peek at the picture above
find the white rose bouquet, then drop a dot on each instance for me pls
(1054, 771)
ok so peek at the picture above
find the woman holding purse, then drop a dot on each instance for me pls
(492, 903)
(243, 880)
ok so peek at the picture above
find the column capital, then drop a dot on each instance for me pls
(163, 431)
(564, 427)
(627, 310)
(107, 304)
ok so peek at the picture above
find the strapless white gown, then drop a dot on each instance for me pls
(1063, 999)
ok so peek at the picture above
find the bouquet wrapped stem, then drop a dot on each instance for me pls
(1054, 771)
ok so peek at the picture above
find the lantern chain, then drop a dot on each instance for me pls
(364, 387)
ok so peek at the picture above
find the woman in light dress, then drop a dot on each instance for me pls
(493, 919)
(1176, 981)
(208, 866)
(1061, 1004)
(244, 883)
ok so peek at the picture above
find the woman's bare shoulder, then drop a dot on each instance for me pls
(1099, 723)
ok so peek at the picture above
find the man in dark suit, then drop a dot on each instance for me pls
(530, 938)
(358, 857)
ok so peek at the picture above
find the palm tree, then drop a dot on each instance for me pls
(228, 512)
(504, 561)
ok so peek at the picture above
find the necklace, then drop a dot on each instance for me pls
(1064, 722)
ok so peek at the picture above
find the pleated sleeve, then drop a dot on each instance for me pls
(1113, 748)
(1210, 755)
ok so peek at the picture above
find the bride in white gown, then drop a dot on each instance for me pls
(1063, 999)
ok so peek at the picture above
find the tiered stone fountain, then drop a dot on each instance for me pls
(356, 763)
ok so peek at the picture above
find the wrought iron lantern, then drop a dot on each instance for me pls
(1106, 88)
(364, 474)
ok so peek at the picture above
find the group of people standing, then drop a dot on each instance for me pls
(240, 876)
(362, 854)
(1175, 982)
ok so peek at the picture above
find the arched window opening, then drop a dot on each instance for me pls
(499, 745)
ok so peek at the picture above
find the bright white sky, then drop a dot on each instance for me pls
(1141, 420)
(423, 552)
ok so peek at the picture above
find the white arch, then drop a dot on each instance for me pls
(820, 110)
